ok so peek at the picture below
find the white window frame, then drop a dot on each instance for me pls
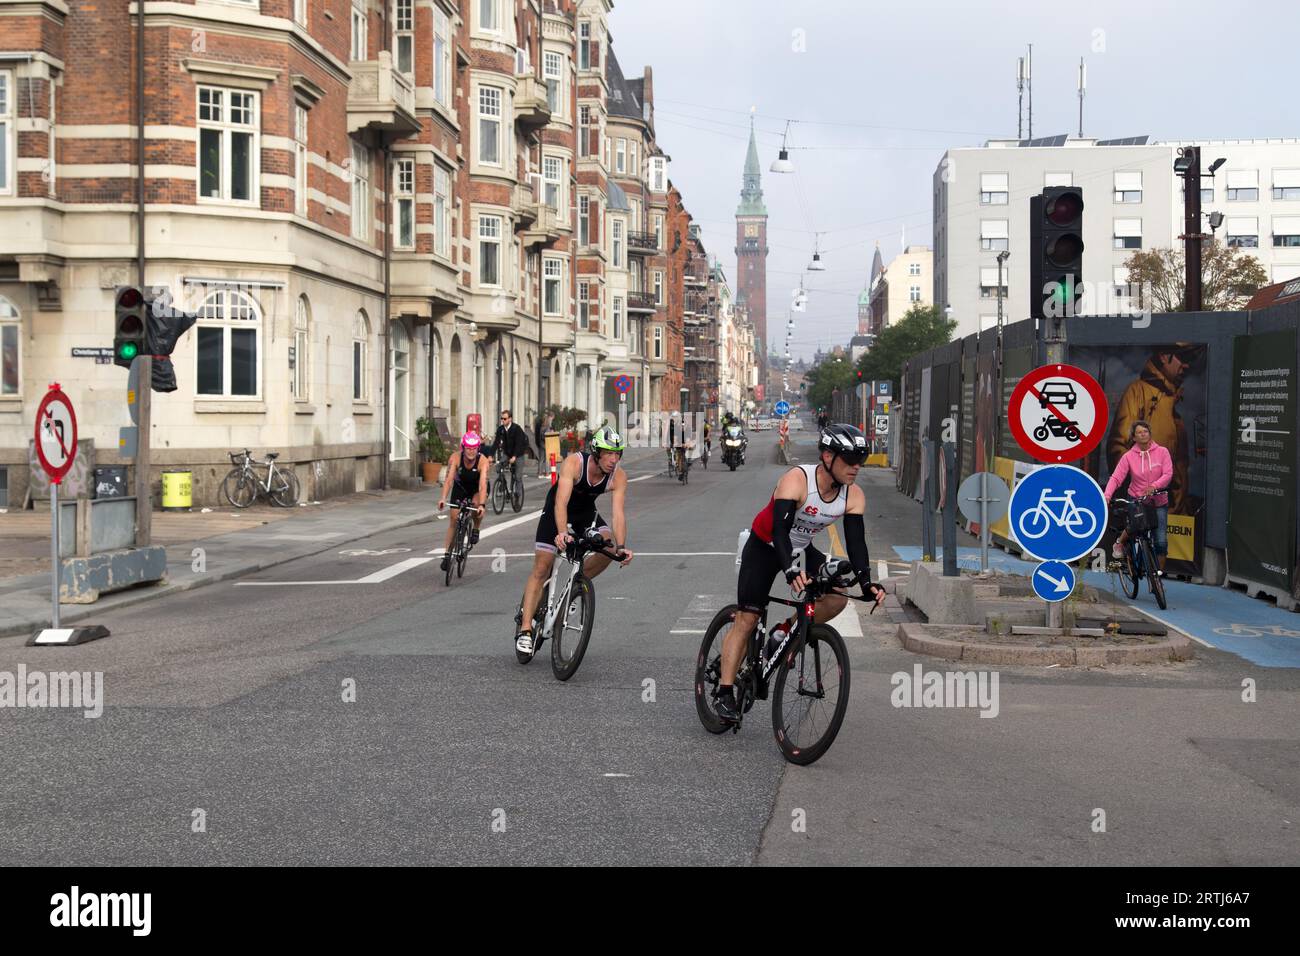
(914, 293)
(620, 155)
(1119, 239)
(658, 220)
(658, 175)
(494, 8)
(658, 341)
(553, 71)
(404, 198)
(584, 304)
(489, 112)
(490, 232)
(441, 211)
(441, 57)
(1241, 232)
(553, 182)
(300, 12)
(359, 21)
(616, 230)
(584, 44)
(632, 168)
(11, 319)
(994, 197)
(618, 314)
(300, 164)
(362, 206)
(584, 130)
(404, 35)
(360, 358)
(300, 382)
(223, 107)
(914, 268)
(584, 220)
(991, 241)
(230, 310)
(657, 281)
(553, 274)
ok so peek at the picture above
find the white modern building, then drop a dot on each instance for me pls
(1133, 200)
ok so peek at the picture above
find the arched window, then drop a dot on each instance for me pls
(10, 348)
(229, 345)
(454, 399)
(515, 405)
(399, 392)
(480, 361)
(360, 357)
(301, 380)
(435, 372)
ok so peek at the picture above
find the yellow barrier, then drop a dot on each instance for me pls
(880, 460)
(176, 490)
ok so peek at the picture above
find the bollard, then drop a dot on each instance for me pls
(554, 476)
(949, 467)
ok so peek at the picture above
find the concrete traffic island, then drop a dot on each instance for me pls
(995, 618)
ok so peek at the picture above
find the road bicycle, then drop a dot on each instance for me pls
(811, 692)
(565, 618)
(1139, 551)
(506, 486)
(462, 538)
(242, 486)
(704, 453)
(1036, 522)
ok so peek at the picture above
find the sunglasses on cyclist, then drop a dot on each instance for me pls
(853, 459)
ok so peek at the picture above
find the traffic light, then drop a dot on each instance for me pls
(166, 324)
(1056, 252)
(129, 310)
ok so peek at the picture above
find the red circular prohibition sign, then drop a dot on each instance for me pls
(1028, 387)
(67, 442)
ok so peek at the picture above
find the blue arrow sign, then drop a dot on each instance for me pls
(1053, 581)
(1057, 513)
(783, 408)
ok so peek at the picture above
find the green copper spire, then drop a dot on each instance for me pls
(751, 195)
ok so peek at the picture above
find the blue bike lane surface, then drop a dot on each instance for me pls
(1219, 617)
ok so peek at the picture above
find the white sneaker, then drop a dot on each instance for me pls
(524, 643)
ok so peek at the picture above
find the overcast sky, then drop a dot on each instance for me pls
(891, 86)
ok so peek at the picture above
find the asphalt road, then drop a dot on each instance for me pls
(230, 700)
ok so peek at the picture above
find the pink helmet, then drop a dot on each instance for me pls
(470, 441)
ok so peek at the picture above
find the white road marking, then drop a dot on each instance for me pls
(682, 630)
(846, 622)
(394, 571)
(616, 775)
(882, 568)
(683, 554)
(498, 528)
(642, 478)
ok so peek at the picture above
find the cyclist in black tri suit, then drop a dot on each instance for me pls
(583, 477)
(467, 472)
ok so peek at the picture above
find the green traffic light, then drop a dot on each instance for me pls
(128, 350)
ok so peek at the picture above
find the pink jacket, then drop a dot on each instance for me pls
(1150, 471)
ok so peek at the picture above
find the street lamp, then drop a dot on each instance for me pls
(782, 162)
(1003, 256)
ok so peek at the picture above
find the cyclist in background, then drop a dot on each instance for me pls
(1149, 469)
(583, 477)
(467, 477)
(510, 442)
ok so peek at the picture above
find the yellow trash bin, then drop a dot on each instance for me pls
(552, 440)
(177, 490)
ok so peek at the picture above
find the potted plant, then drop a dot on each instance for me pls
(432, 449)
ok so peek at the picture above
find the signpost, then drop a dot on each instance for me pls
(1058, 413)
(983, 498)
(56, 450)
(622, 384)
(782, 408)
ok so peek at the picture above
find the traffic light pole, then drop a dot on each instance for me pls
(143, 504)
(1192, 228)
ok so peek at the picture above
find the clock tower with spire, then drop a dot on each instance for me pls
(751, 253)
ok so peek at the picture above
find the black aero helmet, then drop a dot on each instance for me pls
(845, 442)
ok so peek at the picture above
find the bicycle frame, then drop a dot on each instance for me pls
(576, 556)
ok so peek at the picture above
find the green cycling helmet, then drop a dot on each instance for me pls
(606, 439)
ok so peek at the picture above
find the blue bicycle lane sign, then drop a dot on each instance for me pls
(1058, 513)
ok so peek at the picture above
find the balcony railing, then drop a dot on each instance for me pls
(381, 98)
(643, 243)
(695, 277)
(531, 107)
(641, 302)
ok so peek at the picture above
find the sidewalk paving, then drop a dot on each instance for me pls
(234, 543)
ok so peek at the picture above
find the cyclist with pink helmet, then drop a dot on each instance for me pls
(467, 478)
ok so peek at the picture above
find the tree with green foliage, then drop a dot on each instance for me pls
(923, 327)
(834, 372)
(1229, 277)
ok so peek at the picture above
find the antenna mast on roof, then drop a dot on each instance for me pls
(1020, 97)
(1029, 82)
(1083, 83)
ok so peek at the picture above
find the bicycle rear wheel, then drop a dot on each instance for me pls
(811, 695)
(462, 544)
(499, 494)
(1153, 575)
(284, 488)
(573, 628)
(539, 621)
(1129, 575)
(517, 494)
(239, 489)
(708, 670)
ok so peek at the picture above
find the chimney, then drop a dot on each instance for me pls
(648, 98)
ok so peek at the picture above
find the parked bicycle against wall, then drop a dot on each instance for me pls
(242, 486)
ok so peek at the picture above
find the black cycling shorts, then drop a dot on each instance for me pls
(459, 491)
(579, 522)
(759, 568)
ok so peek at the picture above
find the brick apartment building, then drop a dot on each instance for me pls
(380, 211)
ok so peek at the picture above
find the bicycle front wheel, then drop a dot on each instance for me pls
(708, 669)
(811, 695)
(517, 494)
(239, 489)
(1153, 574)
(499, 494)
(1130, 577)
(573, 629)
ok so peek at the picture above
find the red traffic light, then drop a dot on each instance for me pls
(129, 298)
(130, 325)
(1064, 209)
(1065, 250)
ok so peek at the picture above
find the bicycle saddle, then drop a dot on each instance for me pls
(272, 455)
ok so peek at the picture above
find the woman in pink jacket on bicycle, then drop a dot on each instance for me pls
(1149, 469)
